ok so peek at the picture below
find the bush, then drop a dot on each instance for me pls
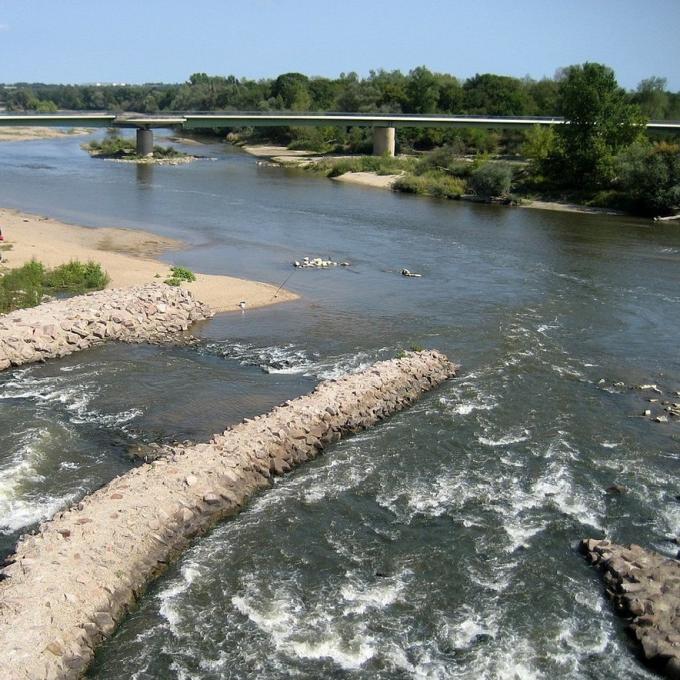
(431, 184)
(491, 180)
(649, 177)
(381, 165)
(179, 274)
(183, 274)
(124, 147)
(26, 285)
(75, 277)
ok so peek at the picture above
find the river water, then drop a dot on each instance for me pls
(441, 544)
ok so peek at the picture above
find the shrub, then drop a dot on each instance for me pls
(76, 277)
(444, 160)
(25, 286)
(381, 165)
(183, 274)
(649, 177)
(491, 179)
(431, 184)
(124, 147)
(179, 274)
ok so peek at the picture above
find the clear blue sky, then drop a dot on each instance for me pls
(76, 41)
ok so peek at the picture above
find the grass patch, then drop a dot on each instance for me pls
(431, 184)
(403, 353)
(179, 274)
(380, 165)
(26, 286)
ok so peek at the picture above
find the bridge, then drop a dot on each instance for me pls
(384, 125)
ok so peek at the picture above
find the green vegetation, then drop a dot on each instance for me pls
(441, 173)
(380, 165)
(26, 286)
(490, 180)
(431, 184)
(126, 149)
(601, 124)
(403, 353)
(599, 158)
(179, 274)
(648, 178)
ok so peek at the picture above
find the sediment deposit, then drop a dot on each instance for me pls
(67, 584)
(644, 587)
(153, 313)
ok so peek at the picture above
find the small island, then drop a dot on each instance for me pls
(124, 150)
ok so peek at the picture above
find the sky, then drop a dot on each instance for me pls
(77, 41)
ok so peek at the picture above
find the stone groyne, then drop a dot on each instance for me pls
(152, 313)
(68, 583)
(644, 587)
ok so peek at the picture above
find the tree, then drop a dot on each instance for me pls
(652, 98)
(495, 95)
(422, 91)
(599, 123)
(293, 89)
(539, 146)
(46, 106)
(649, 176)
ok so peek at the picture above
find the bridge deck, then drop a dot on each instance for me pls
(250, 119)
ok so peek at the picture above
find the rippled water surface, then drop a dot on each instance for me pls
(441, 544)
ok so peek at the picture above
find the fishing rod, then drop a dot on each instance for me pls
(283, 284)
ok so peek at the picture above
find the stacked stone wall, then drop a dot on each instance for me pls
(69, 583)
(644, 587)
(153, 313)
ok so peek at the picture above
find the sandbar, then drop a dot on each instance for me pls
(129, 256)
(26, 134)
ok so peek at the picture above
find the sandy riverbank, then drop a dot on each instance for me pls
(570, 207)
(26, 134)
(128, 256)
(368, 179)
(284, 156)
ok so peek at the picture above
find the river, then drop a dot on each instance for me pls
(441, 544)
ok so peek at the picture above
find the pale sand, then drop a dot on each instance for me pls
(570, 207)
(269, 151)
(25, 134)
(368, 179)
(284, 156)
(127, 255)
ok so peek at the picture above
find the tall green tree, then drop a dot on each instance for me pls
(599, 123)
(495, 95)
(652, 98)
(422, 91)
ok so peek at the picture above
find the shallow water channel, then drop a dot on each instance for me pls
(441, 544)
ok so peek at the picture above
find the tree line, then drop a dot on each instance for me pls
(418, 91)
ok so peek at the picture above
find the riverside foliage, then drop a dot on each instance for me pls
(587, 160)
(125, 148)
(26, 286)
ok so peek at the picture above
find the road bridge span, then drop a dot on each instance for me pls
(384, 124)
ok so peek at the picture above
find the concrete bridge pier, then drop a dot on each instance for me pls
(383, 141)
(144, 142)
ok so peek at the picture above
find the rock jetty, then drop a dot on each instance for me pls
(644, 587)
(153, 313)
(69, 582)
